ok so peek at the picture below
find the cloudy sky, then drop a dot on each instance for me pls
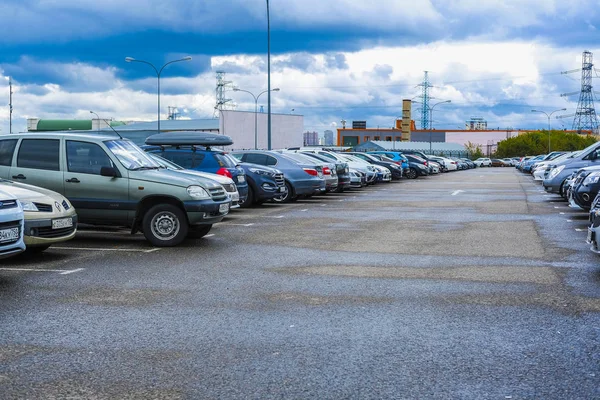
(332, 59)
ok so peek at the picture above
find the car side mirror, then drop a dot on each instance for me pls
(108, 171)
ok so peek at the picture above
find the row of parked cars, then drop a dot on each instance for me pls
(576, 177)
(175, 186)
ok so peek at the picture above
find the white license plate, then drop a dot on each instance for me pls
(590, 235)
(62, 223)
(223, 208)
(241, 178)
(282, 189)
(9, 235)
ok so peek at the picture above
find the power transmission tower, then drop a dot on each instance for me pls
(425, 85)
(585, 116)
(223, 103)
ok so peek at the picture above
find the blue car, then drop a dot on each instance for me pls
(527, 165)
(264, 183)
(300, 179)
(394, 155)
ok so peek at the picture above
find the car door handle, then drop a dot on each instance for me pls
(73, 180)
(20, 176)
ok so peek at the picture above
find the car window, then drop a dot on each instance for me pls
(271, 160)
(86, 158)
(238, 156)
(7, 148)
(327, 155)
(256, 158)
(224, 161)
(39, 154)
(186, 159)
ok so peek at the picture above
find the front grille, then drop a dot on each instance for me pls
(43, 207)
(8, 204)
(48, 233)
(279, 180)
(230, 187)
(217, 194)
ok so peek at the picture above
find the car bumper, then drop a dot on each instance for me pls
(235, 199)
(40, 231)
(203, 212)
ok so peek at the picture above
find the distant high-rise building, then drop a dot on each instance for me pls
(328, 136)
(311, 138)
(476, 124)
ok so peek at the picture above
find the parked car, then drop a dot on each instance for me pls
(111, 181)
(300, 179)
(543, 169)
(341, 168)
(560, 170)
(509, 162)
(193, 150)
(326, 169)
(49, 217)
(264, 183)
(483, 162)
(417, 167)
(394, 156)
(359, 165)
(392, 167)
(224, 181)
(585, 187)
(447, 163)
(527, 165)
(469, 163)
(357, 179)
(11, 226)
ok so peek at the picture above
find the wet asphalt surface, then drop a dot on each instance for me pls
(468, 285)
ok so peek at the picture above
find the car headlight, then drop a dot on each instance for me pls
(592, 178)
(28, 206)
(198, 192)
(259, 171)
(555, 171)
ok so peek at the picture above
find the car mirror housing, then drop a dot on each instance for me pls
(108, 171)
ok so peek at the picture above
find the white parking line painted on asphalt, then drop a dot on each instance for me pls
(61, 271)
(209, 235)
(457, 192)
(561, 213)
(341, 200)
(72, 271)
(237, 224)
(580, 230)
(569, 220)
(271, 216)
(104, 249)
(556, 207)
(305, 210)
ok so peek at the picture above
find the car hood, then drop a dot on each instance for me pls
(25, 192)
(223, 180)
(175, 178)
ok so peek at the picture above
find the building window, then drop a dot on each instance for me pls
(376, 138)
(398, 138)
(388, 138)
(367, 138)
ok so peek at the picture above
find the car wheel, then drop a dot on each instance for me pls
(250, 199)
(199, 232)
(165, 225)
(287, 197)
(412, 173)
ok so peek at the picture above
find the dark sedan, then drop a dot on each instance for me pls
(394, 168)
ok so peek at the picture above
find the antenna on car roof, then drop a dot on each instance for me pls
(109, 125)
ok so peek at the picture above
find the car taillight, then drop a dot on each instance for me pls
(398, 162)
(311, 171)
(326, 171)
(224, 172)
(425, 163)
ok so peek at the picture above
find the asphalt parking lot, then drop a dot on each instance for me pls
(474, 284)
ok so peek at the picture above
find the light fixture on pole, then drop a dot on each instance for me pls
(158, 72)
(268, 78)
(431, 121)
(255, 111)
(548, 116)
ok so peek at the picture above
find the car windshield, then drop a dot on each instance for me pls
(299, 158)
(163, 162)
(232, 159)
(131, 156)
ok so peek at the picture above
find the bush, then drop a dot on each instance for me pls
(533, 143)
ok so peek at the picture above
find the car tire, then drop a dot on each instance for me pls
(249, 199)
(412, 173)
(289, 196)
(165, 225)
(199, 232)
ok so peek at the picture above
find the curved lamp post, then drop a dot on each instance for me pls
(256, 111)
(549, 115)
(431, 120)
(158, 72)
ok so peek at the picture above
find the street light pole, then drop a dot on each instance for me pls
(431, 121)
(255, 110)
(10, 108)
(548, 116)
(158, 73)
(268, 78)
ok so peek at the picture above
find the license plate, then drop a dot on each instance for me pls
(223, 208)
(282, 189)
(590, 236)
(241, 179)
(62, 223)
(9, 235)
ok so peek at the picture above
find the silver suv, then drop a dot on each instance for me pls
(111, 181)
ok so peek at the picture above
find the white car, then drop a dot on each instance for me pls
(387, 174)
(449, 165)
(483, 162)
(11, 226)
